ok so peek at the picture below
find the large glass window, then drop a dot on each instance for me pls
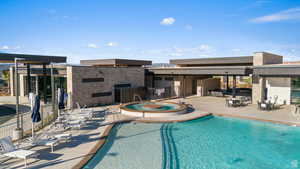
(295, 90)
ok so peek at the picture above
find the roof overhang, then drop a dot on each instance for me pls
(216, 71)
(238, 61)
(115, 62)
(31, 59)
(277, 70)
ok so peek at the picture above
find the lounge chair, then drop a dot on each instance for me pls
(8, 149)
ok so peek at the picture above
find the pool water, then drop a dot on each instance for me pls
(206, 143)
(162, 106)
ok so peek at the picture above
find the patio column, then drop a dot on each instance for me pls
(234, 87)
(28, 80)
(53, 95)
(227, 82)
(37, 85)
(44, 83)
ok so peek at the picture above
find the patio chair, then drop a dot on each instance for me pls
(266, 105)
(233, 102)
(46, 138)
(8, 149)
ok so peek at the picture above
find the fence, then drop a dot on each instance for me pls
(47, 116)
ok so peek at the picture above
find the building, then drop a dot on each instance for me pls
(101, 81)
(270, 77)
(93, 82)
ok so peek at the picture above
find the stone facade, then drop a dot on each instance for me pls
(92, 85)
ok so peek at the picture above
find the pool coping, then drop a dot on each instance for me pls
(94, 150)
(182, 107)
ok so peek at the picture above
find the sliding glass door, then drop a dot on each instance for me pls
(295, 90)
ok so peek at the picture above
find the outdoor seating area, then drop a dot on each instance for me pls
(230, 92)
(59, 132)
(268, 104)
(237, 101)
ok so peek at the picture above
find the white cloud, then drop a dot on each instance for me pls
(92, 45)
(5, 47)
(200, 51)
(236, 50)
(167, 21)
(289, 14)
(189, 27)
(112, 44)
(205, 48)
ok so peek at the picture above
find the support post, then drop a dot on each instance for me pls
(17, 93)
(37, 85)
(227, 82)
(183, 84)
(45, 83)
(28, 79)
(234, 87)
(52, 89)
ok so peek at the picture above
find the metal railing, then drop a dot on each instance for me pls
(7, 128)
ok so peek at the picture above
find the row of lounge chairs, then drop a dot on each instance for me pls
(75, 119)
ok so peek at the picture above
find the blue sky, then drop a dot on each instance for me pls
(154, 30)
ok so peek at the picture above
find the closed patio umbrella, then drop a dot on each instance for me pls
(35, 116)
(61, 100)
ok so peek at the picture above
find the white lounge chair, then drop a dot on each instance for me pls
(8, 149)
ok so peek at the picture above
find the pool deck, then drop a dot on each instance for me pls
(87, 140)
(216, 106)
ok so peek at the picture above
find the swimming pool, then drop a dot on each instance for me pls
(207, 143)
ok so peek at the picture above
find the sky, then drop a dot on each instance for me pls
(152, 30)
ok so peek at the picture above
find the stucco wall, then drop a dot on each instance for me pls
(258, 83)
(264, 58)
(280, 87)
(83, 92)
(204, 85)
(180, 85)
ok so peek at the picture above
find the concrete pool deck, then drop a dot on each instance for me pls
(87, 140)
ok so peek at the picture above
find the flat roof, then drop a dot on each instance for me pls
(213, 70)
(243, 60)
(277, 70)
(115, 62)
(33, 59)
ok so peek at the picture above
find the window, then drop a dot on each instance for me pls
(157, 78)
(169, 78)
(295, 90)
(101, 94)
(88, 80)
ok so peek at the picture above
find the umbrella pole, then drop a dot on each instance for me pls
(32, 130)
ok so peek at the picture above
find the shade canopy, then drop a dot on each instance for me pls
(31, 59)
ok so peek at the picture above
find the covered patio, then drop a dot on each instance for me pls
(24, 63)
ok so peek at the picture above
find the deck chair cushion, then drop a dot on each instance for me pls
(7, 145)
(20, 154)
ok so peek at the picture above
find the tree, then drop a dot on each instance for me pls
(6, 78)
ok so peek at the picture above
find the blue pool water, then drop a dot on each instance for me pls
(207, 143)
